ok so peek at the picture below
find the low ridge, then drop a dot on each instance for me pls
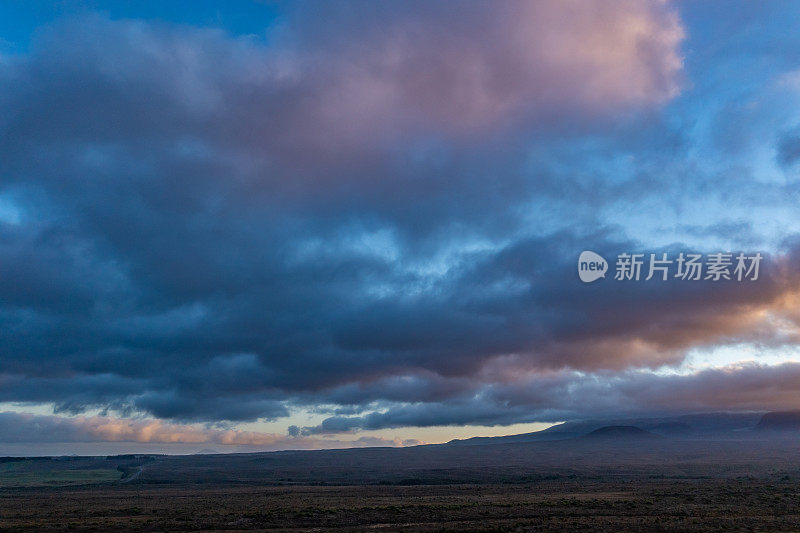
(619, 432)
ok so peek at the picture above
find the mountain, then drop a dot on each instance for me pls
(672, 429)
(620, 433)
(702, 425)
(780, 421)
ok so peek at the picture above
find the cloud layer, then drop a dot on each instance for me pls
(17, 428)
(374, 215)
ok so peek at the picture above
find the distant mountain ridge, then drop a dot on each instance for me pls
(780, 421)
(620, 432)
(700, 425)
(207, 451)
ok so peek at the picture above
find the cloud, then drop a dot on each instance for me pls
(434, 346)
(18, 427)
(554, 397)
(376, 216)
(342, 82)
(578, 396)
(179, 251)
(427, 66)
(788, 149)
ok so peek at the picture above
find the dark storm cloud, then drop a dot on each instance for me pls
(574, 396)
(207, 228)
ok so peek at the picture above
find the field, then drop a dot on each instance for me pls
(660, 485)
(650, 505)
(10, 478)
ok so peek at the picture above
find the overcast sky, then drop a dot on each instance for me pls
(243, 225)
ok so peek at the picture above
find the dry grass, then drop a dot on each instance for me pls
(642, 505)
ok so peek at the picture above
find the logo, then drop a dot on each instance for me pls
(591, 266)
(664, 266)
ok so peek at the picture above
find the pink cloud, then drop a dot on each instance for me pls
(23, 427)
(486, 66)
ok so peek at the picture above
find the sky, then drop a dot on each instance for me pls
(249, 226)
